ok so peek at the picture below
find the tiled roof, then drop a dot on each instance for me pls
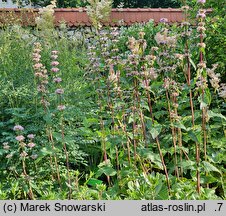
(78, 16)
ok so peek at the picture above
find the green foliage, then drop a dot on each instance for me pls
(116, 3)
(148, 3)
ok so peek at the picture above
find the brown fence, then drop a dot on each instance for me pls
(78, 17)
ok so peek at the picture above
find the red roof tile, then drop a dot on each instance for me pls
(78, 16)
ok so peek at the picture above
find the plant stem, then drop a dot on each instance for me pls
(173, 135)
(134, 118)
(124, 128)
(30, 193)
(181, 152)
(67, 157)
(191, 101)
(55, 157)
(158, 144)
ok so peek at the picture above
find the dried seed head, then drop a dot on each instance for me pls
(23, 154)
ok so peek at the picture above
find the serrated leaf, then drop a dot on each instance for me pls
(208, 179)
(145, 106)
(195, 136)
(179, 125)
(208, 167)
(207, 96)
(212, 114)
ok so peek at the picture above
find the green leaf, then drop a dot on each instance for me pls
(187, 164)
(208, 179)
(161, 191)
(192, 63)
(25, 188)
(94, 182)
(48, 118)
(155, 130)
(107, 170)
(90, 121)
(208, 167)
(46, 151)
(153, 157)
(195, 136)
(35, 187)
(145, 106)
(205, 100)
(131, 119)
(57, 136)
(179, 125)
(2, 151)
(212, 114)
(207, 96)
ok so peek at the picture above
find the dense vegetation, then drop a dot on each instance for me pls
(116, 3)
(128, 113)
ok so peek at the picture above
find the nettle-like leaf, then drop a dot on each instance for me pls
(153, 157)
(208, 179)
(105, 168)
(179, 125)
(208, 167)
(187, 165)
(195, 135)
(212, 114)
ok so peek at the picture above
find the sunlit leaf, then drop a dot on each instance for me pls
(192, 63)
(212, 114)
(155, 130)
(208, 167)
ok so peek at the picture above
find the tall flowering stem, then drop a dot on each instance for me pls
(137, 48)
(41, 75)
(55, 79)
(171, 89)
(42, 82)
(23, 155)
(186, 34)
(96, 73)
(202, 86)
(149, 74)
(60, 107)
